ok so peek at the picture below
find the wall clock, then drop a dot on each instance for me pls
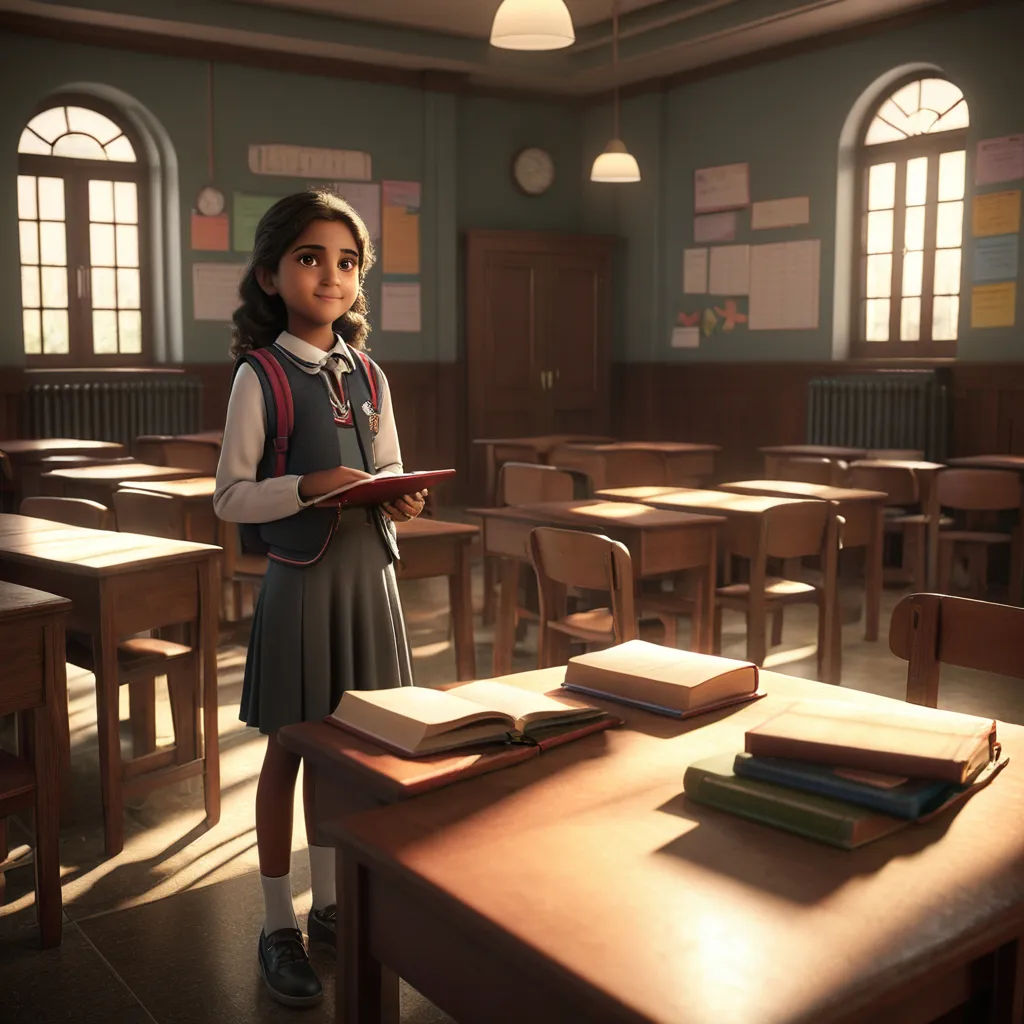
(210, 201)
(533, 170)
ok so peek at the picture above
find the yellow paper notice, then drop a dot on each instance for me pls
(401, 241)
(994, 305)
(996, 213)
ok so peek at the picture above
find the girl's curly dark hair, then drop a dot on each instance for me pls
(261, 317)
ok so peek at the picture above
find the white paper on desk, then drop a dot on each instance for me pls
(400, 306)
(215, 290)
(730, 270)
(784, 285)
(780, 213)
(365, 197)
(721, 188)
(695, 271)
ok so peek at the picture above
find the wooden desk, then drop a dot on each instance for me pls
(195, 494)
(659, 543)
(26, 454)
(773, 454)
(1014, 462)
(98, 483)
(583, 886)
(214, 437)
(864, 515)
(430, 547)
(619, 464)
(33, 683)
(121, 584)
(499, 450)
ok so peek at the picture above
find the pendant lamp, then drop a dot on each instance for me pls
(616, 163)
(532, 25)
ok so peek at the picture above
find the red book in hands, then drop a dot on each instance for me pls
(386, 487)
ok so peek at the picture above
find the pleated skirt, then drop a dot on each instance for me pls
(318, 631)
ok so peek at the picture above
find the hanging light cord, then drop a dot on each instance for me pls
(615, 61)
(209, 119)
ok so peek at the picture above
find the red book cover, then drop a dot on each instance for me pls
(384, 488)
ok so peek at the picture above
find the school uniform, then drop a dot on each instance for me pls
(328, 617)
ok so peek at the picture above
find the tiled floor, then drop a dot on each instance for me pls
(166, 931)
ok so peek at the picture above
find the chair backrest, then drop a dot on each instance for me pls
(154, 515)
(198, 455)
(811, 470)
(929, 630)
(149, 448)
(638, 469)
(525, 483)
(73, 511)
(899, 483)
(895, 454)
(978, 490)
(589, 561)
(797, 529)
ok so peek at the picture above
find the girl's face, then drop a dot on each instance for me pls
(317, 278)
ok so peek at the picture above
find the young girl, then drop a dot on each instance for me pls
(328, 616)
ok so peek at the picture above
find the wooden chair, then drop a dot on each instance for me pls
(528, 483)
(73, 511)
(239, 572)
(148, 513)
(929, 630)
(791, 531)
(812, 470)
(895, 454)
(200, 456)
(149, 448)
(589, 561)
(979, 491)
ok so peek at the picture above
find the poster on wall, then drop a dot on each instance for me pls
(730, 270)
(209, 234)
(715, 227)
(721, 188)
(245, 215)
(996, 213)
(695, 271)
(780, 213)
(364, 196)
(784, 285)
(685, 337)
(310, 162)
(994, 305)
(400, 208)
(999, 160)
(215, 290)
(996, 258)
(400, 306)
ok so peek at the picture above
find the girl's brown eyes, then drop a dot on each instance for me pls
(309, 260)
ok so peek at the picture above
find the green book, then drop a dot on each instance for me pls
(835, 822)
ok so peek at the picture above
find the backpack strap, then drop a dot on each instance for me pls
(370, 370)
(284, 408)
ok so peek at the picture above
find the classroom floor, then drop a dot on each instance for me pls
(166, 931)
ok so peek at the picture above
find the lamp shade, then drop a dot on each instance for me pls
(532, 25)
(616, 163)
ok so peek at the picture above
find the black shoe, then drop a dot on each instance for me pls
(320, 926)
(286, 969)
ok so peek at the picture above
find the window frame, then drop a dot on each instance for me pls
(901, 151)
(76, 172)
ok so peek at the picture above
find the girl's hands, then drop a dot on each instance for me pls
(405, 508)
(315, 485)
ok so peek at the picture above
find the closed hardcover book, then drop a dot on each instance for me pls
(713, 782)
(888, 794)
(911, 741)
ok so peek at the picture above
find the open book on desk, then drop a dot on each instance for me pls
(414, 721)
(384, 487)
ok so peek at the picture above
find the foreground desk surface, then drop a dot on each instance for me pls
(25, 449)
(583, 886)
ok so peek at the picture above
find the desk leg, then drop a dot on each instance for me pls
(873, 577)
(208, 635)
(105, 656)
(931, 506)
(46, 746)
(505, 627)
(460, 601)
(707, 584)
(367, 992)
(757, 610)
(490, 563)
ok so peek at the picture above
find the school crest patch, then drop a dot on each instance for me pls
(373, 416)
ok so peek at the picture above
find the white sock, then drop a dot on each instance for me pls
(321, 876)
(277, 903)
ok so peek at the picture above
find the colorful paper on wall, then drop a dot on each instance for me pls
(994, 305)
(246, 213)
(715, 227)
(785, 283)
(686, 337)
(721, 188)
(215, 290)
(730, 270)
(999, 160)
(310, 162)
(695, 271)
(996, 213)
(210, 234)
(365, 197)
(996, 258)
(731, 315)
(401, 226)
(780, 213)
(400, 306)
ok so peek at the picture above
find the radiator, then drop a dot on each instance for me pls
(898, 409)
(117, 410)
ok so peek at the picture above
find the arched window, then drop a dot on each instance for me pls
(81, 219)
(911, 166)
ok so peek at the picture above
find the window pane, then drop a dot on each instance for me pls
(130, 324)
(910, 320)
(913, 234)
(51, 198)
(55, 287)
(27, 197)
(917, 181)
(949, 227)
(879, 131)
(127, 245)
(951, 175)
(879, 276)
(128, 289)
(101, 201)
(101, 245)
(90, 122)
(104, 332)
(876, 320)
(121, 150)
(958, 117)
(32, 332)
(82, 147)
(52, 245)
(28, 231)
(126, 208)
(881, 186)
(947, 272)
(31, 143)
(945, 313)
(103, 293)
(880, 231)
(49, 124)
(913, 269)
(30, 287)
(939, 94)
(55, 332)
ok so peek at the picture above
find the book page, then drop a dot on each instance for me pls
(422, 704)
(522, 705)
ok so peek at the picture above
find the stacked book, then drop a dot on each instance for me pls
(847, 775)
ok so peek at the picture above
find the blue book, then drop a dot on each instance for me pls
(901, 798)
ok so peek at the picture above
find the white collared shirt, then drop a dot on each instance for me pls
(239, 497)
